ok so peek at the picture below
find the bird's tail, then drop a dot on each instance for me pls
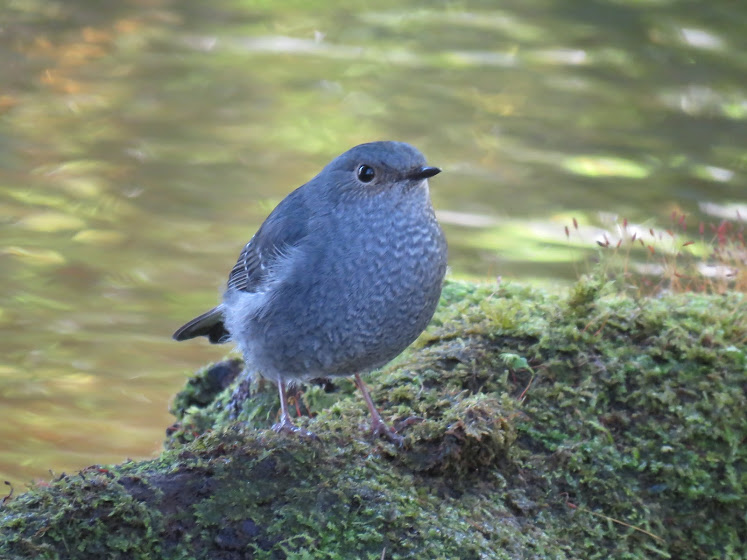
(208, 324)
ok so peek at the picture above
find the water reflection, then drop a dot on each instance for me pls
(142, 142)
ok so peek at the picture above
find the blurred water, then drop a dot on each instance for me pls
(142, 142)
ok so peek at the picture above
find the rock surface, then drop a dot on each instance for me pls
(595, 425)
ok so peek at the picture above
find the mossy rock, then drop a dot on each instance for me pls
(536, 426)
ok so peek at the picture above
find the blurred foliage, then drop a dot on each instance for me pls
(709, 258)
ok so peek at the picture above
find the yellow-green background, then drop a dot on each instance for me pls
(142, 142)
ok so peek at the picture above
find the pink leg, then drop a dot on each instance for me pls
(286, 424)
(378, 426)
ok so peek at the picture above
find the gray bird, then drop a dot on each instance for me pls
(342, 276)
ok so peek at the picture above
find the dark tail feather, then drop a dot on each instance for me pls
(208, 324)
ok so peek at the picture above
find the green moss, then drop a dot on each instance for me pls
(93, 514)
(202, 388)
(536, 427)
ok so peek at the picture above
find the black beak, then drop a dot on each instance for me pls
(424, 172)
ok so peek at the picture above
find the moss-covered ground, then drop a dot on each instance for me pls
(594, 425)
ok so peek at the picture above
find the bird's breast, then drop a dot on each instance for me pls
(357, 296)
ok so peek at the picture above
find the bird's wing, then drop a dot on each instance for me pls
(285, 227)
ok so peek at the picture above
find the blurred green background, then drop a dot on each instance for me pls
(142, 142)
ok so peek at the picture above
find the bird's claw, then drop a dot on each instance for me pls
(380, 429)
(286, 426)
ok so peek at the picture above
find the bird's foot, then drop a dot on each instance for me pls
(286, 426)
(409, 421)
(380, 429)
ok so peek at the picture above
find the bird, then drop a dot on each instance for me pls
(342, 276)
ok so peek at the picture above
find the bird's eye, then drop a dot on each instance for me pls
(366, 174)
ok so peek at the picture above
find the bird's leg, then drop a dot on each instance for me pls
(378, 426)
(286, 425)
